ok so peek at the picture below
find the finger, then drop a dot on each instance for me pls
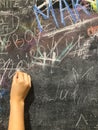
(26, 78)
(20, 75)
(29, 79)
(15, 76)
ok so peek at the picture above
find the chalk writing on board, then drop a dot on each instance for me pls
(12, 4)
(50, 8)
(81, 118)
(6, 3)
(58, 59)
(41, 57)
(70, 28)
(82, 49)
(62, 93)
(9, 68)
(8, 24)
(69, 48)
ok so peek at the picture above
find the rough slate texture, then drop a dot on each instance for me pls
(63, 64)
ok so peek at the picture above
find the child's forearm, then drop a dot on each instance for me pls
(16, 119)
(20, 87)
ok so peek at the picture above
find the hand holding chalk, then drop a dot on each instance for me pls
(21, 85)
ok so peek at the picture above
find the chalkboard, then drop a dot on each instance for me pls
(56, 42)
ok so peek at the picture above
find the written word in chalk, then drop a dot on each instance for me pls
(73, 14)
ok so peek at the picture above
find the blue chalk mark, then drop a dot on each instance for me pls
(74, 14)
(75, 5)
(68, 9)
(38, 11)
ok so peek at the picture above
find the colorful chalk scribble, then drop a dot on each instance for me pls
(56, 41)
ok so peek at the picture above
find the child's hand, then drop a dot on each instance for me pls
(21, 85)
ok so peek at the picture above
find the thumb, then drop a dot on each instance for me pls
(16, 76)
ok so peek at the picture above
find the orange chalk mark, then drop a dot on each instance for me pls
(92, 30)
(19, 42)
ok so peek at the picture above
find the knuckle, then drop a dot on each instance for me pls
(21, 81)
(27, 84)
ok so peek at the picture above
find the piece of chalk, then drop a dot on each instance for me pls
(18, 70)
